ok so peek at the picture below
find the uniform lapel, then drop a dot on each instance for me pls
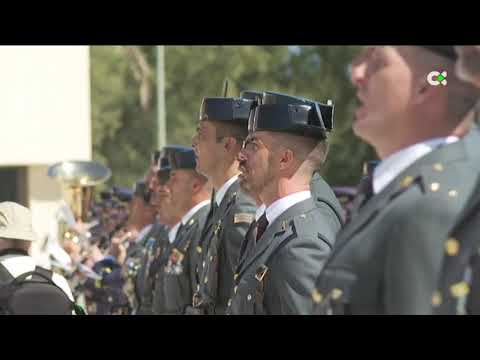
(277, 231)
(411, 175)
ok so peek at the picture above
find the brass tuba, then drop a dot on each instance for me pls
(78, 179)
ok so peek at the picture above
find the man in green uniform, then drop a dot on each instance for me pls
(459, 284)
(220, 134)
(388, 258)
(294, 236)
(190, 201)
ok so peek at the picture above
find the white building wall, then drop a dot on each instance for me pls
(45, 117)
(44, 104)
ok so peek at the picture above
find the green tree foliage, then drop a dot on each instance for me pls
(121, 126)
(124, 98)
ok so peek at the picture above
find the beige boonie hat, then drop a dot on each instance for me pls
(16, 222)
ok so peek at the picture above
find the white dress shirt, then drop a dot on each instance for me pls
(223, 190)
(393, 165)
(278, 207)
(172, 234)
(260, 211)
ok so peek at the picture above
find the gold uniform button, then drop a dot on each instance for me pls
(203, 264)
(235, 289)
(452, 193)
(336, 294)
(436, 299)
(452, 246)
(316, 296)
(211, 258)
(460, 289)
(249, 297)
(235, 276)
(407, 181)
(229, 302)
(435, 186)
(205, 280)
(438, 167)
(199, 249)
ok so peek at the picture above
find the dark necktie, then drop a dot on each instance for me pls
(262, 224)
(364, 193)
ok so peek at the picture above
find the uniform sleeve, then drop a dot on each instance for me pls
(293, 275)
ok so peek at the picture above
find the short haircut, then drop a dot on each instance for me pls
(235, 130)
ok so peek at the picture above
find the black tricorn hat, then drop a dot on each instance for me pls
(163, 163)
(290, 114)
(226, 109)
(122, 194)
(252, 95)
(155, 156)
(164, 156)
(182, 158)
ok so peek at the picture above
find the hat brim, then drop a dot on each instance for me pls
(18, 235)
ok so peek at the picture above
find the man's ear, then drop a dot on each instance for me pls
(423, 91)
(230, 144)
(286, 159)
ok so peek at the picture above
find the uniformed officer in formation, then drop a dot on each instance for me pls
(190, 202)
(294, 236)
(270, 239)
(459, 283)
(158, 238)
(221, 131)
(388, 258)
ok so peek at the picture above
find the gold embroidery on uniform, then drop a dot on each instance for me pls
(243, 218)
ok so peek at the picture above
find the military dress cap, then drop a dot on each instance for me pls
(122, 194)
(447, 51)
(163, 161)
(140, 188)
(226, 109)
(155, 157)
(182, 158)
(252, 95)
(106, 195)
(290, 114)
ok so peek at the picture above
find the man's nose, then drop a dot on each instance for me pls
(358, 72)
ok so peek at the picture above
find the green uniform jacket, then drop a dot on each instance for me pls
(387, 259)
(323, 194)
(222, 238)
(176, 278)
(157, 241)
(459, 284)
(277, 275)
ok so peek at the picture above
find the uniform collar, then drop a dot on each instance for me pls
(193, 211)
(278, 207)
(393, 165)
(220, 194)
(260, 211)
(143, 232)
(172, 234)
